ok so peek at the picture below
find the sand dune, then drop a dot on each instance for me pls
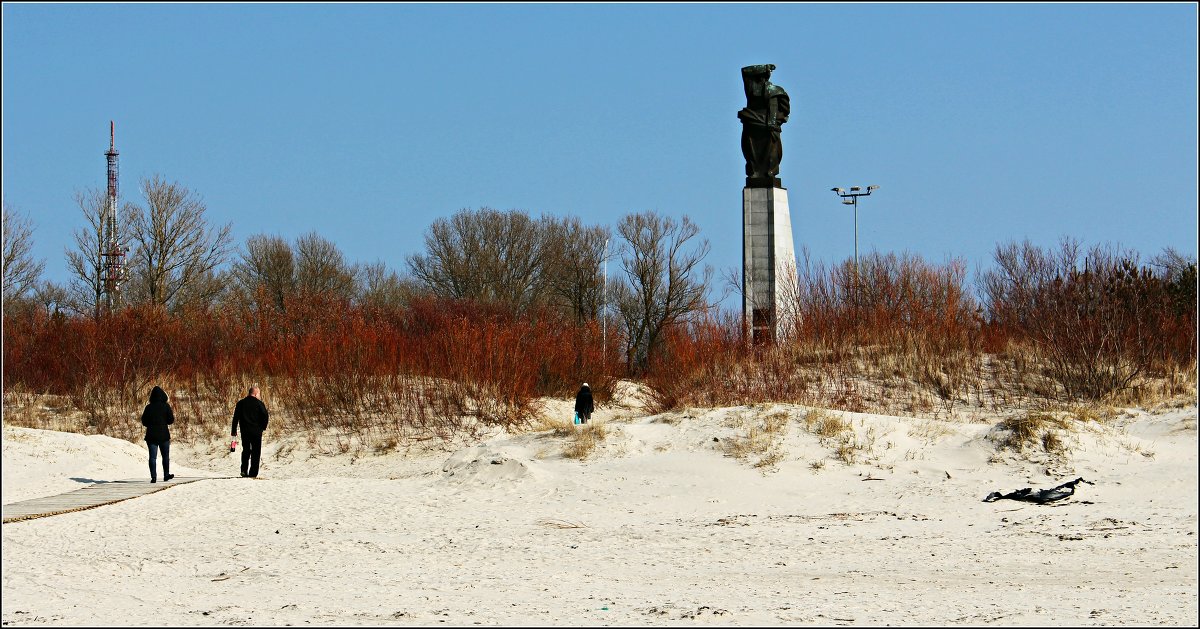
(659, 524)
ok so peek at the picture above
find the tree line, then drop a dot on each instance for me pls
(179, 261)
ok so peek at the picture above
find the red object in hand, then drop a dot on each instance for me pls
(233, 445)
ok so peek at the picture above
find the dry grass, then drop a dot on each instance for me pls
(850, 449)
(1134, 447)
(847, 449)
(839, 434)
(386, 444)
(760, 446)
(584, 440)
(1035, 428)
(821, 423)
(930, 430)
(1047, 429)
(552, 426)
(203, 411)
(46, 412)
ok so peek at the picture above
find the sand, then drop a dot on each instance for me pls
(657, 526)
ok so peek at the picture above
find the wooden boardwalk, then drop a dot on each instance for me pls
(91, 496)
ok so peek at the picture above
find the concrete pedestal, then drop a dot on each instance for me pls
(768, 264)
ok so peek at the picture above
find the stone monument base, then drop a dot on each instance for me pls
(768, 264)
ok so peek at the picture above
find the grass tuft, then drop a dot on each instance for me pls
(1035, 428)
(584, 440)
(760, 446)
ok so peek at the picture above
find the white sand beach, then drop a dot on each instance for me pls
(657, 526)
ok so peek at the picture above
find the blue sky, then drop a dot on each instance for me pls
(981, 123)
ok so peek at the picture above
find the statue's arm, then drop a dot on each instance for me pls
(747, 115)
(783, 108)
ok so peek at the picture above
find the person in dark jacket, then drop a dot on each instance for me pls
(583, 403)
(251, 414)
(156, 417)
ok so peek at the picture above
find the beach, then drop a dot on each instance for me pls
(659, 524)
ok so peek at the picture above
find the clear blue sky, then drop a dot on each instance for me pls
(981, 123)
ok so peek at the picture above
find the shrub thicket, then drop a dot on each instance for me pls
(432, 368)
(907, 336)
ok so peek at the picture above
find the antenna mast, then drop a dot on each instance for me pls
(112, 254)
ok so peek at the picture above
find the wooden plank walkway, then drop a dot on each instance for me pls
(91, 496)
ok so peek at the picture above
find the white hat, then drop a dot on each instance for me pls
(585, 384)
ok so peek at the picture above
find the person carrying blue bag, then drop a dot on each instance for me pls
(583, 404)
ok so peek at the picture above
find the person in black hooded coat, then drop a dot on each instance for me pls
(156, 417)
(584, 404)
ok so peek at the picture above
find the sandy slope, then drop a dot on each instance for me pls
(657, 526)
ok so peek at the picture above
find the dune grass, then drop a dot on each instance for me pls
(583, 440)
(761, 446)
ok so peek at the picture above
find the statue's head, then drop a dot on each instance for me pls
(755, 79)
(759, 69)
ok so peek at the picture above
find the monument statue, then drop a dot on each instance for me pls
(768, 252)
(767, 108)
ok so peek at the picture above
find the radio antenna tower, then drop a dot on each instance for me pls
(112, 254)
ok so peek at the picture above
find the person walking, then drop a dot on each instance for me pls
(583, 403)
(156, 417)
(251, 414)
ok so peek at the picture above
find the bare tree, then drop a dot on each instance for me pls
(1178, 270)
(1174, 263)
(206, 288)
(486, 255)
(21, 272)
(664, 280)
(574, 254)
(269, 262)
(177, 252)
(50, 297)
(321, 268)
(381, 287)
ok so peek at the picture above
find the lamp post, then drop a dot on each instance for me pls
(604, 311)
(851, 198)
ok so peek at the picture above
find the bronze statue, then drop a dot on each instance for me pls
(767, 108)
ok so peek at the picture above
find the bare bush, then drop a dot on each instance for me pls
(1100, 322)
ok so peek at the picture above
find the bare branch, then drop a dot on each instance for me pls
(21, 272)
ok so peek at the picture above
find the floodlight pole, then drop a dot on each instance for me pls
(851, 198)
(854, 202)
(604, 311)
